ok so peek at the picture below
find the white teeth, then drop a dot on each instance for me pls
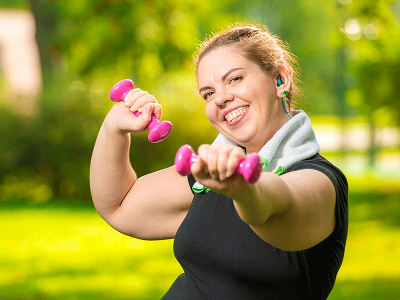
(235, 113)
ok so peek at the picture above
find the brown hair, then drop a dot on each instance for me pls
(259, 45)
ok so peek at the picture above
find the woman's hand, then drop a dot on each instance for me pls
(216, 166)
(121, 117)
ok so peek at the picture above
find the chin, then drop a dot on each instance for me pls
(242, 141)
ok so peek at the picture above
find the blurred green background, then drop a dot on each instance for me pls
(58, 61)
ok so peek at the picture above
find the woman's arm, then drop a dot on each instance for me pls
(151, 207)
(293, 212)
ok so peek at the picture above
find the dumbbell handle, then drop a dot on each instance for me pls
(250, 167)
(159, 130)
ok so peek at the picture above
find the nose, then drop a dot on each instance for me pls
(223, 97)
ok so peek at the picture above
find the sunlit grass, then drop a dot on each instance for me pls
(373, 251)
(60, 253)
(67, 252)
(371, 267)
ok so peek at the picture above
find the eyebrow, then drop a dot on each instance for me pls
(223, 78)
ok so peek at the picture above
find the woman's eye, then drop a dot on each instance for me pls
(235, 79)
(207, 95)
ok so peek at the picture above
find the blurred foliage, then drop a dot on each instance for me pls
(373, 55)
(15, 4)
(86, 46)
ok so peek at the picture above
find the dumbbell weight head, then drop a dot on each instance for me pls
(184, 158)
(159, 130)
(250, 168)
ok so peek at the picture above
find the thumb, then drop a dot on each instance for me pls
(199, 168)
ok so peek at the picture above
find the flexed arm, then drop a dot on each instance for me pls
(150, 207)
(111, 173)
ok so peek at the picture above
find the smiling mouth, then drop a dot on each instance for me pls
(234, 114)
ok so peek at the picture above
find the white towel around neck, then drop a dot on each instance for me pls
(293, 142)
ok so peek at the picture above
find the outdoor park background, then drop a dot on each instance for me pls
(54, 95)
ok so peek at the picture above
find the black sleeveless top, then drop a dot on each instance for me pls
(224, 259)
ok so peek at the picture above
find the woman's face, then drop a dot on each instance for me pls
(241, 99)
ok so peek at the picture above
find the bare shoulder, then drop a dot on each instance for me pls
(309, 182)
(155, 206)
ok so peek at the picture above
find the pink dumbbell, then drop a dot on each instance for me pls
(159, 130)
(250, 167)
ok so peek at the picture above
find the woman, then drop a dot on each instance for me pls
(280, 238)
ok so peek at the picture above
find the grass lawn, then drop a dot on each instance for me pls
(66, 251)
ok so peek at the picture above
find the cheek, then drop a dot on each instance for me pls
(210, 113)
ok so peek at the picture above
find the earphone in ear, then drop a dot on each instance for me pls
(284, 93)
(280, 81)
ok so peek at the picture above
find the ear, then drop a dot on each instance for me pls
(283, 77)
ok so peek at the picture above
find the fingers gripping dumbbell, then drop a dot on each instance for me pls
(250, 167)
(159, 130)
